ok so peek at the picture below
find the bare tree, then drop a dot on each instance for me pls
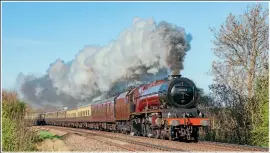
(241, 44)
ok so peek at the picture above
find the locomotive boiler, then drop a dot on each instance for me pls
(176, 92)
(165, 109)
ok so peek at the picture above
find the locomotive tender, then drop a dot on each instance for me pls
(165, 109)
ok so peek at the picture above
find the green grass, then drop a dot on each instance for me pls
(47, 135)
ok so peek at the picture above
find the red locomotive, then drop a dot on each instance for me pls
(164, 109)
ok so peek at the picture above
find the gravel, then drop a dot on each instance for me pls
(171, 144)
(85, 142)
(73, 142)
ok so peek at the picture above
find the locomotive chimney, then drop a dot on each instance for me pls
(175, 72)
(174, 76)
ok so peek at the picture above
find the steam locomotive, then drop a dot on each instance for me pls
(165, 109)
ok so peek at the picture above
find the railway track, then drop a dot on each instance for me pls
(130, 145)
(218, 145)
(138, 143)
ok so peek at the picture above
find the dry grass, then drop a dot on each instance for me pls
(9, 96)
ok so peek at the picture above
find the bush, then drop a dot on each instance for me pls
(16, 136)
(8, 128)
(260, 131)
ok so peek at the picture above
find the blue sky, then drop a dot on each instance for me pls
(36, 34)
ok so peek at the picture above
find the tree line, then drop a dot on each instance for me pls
(238, 98)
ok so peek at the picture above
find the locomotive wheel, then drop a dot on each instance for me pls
(143, 130)
(163, 135)
(157, 134)
(196, 136)
(196, 139)
(171, 137)
(147, 129)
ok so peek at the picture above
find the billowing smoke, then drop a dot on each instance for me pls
(177, 44)
(144, 52)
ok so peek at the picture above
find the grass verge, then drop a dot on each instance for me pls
(47, 135)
